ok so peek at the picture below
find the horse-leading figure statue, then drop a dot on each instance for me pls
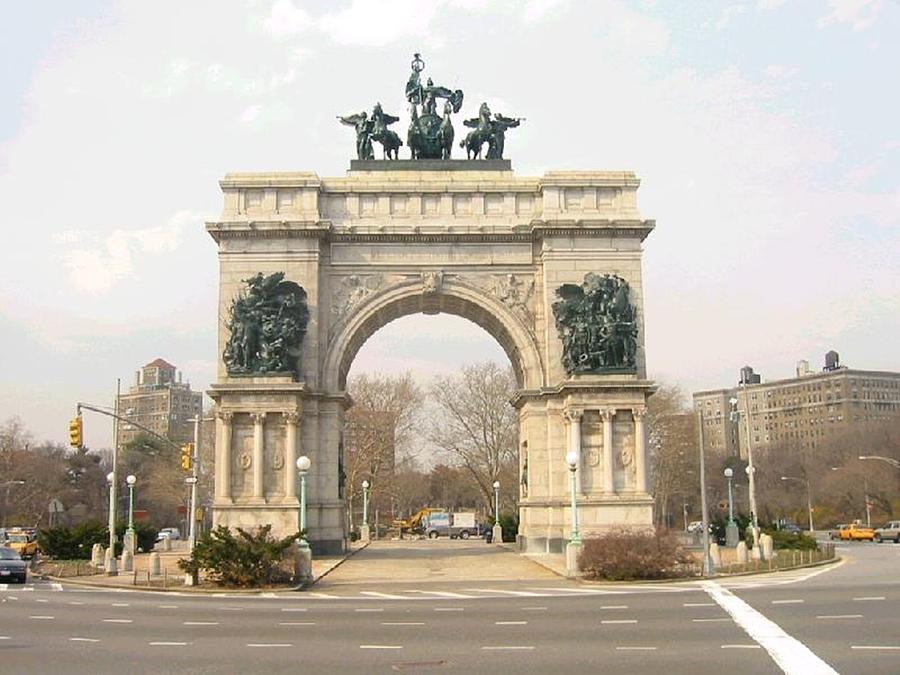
(390, 141)
(487, 130)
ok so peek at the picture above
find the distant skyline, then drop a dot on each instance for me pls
(764, 133)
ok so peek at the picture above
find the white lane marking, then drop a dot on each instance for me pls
(635, 649)
(741, 647)
(498, 648)
(402, 623)
(117, 621)
(448, 609)
(5, 637)
(83, 639)
(56, 587)
(297, 623)
(323, 595)
(369, 609)
(293, 609)
(521, 594)
(269, 644)
(613, 606)
(839, 616)
(884, 647)
(869, 597)
(168, 644)
(167, 606)
(231, 609)
(510, 623)
(533, 609)
(41, 616)
(121, 604)
(41, 600)
(619, 621)
(443, 594)
(386, 596)
(791, 655)
(200, 623)
(791, 601)
(710, 620)
(381, 646)
(75, 602)
(698, 604)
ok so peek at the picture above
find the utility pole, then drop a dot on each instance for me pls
(195, 475)
(112, 487)
(708, 567)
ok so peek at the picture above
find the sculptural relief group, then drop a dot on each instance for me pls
(430, 136)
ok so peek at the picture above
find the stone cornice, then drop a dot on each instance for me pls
(595, 386)
(426, 233)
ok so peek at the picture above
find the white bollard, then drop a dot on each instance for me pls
(154, 564)
(166, 544)
(573, 552)
(109, 562)
(767, 546)
(740, 552)
(97, 555)
(127, 561)
(715, 555)
(364, 534)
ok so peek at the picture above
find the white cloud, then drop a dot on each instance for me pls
(95, 265)
(860, 14)
(286, 19)
(769, 4)
(535, 10)
(376, 23)
(250, 114)
(728, 13)
(778, 71)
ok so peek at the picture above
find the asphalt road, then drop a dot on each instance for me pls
(844, 617)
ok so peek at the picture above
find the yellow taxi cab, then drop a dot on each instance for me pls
(857, 531)
(24, 544)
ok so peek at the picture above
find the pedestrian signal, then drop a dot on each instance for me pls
(76, 432)
(187, 456)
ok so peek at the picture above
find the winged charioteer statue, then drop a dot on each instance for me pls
(430, 135)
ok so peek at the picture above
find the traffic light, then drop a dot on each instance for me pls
(187, 456)
(76, 432)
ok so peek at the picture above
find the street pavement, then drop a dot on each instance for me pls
(462, 618)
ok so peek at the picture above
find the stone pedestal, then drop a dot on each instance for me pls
(155, 567)
(740, 552)
(127, 561)
(715, 556)
(732, 535)
(496, 534)
(573, 553)
(129, 542)
(97, 555)
(364, 534)
(303, 575)
(110, 563)
(766, 546)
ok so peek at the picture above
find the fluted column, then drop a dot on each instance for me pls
(259, 420)
(223, 456)
(574, 415)
(608, 457)
(640, 451)
(291, 419)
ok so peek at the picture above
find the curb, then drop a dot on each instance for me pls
(75, 581)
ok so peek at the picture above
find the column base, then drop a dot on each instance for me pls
(573, 551)
(497, 535)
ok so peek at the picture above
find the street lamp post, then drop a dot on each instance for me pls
(573, 548)
(109, 562)
(129, 534)
(751, 470)
(708, 565)
(890, 460)
(497, 531)
(364, 528)
(303, 567)
(812, 528)
(732, 536)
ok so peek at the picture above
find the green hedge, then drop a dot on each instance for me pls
(75, 543)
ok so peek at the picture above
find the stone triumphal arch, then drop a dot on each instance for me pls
(550, 266)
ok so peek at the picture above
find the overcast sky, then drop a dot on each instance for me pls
(765, 133)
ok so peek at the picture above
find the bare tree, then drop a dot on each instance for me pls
(378, 427)
(479, 426)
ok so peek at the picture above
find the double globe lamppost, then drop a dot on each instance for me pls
(303, 570)
(364, 529)
(497, 531)
(732, 536)
(109, 562)
(573, 548)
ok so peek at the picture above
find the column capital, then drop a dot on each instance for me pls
(639, 413)
(258, 417)
(291, 417)
(573, 414)
(607, 414)
(225, 415)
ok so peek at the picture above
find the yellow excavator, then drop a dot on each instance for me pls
(415, 524)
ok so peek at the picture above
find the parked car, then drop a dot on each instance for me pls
(22, 542)
(171, 533)
(836, 532)
(855, 531)
(793, 528)
(12, 567)
(890, 531)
